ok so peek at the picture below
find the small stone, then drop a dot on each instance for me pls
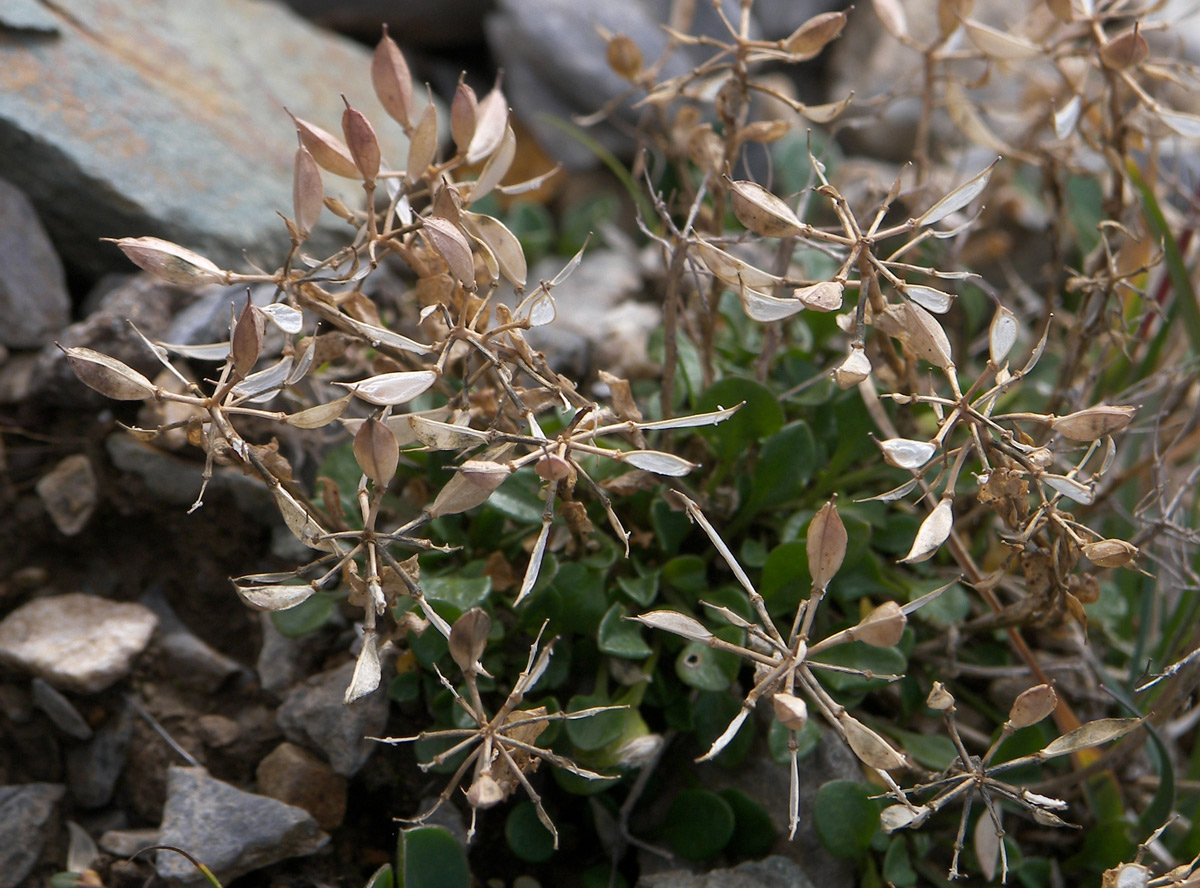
(34, 303)
(771, 872)
(27, 820)
(238, 831)
(76, 642)
(295, 776)
(189, 660)
(94, 768)
(65, 716)
(68, 491)
(313, 714)
(281, 659)
(127, 842)
(218, 731)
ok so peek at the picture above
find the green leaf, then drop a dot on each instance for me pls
(670, 527)
(705, 668)
(687, 573)
(384, 877)
(405, 687)
(933, 751)
(807, 740)
(753, 830)
(897, 867)
(517, 501)
(461, 592)
(857, 655)
(785, 579)
(785, 465)
(533, 226)
(1085, 209)
(581, 597)
(601, 876)
(761, 415)
(699, 824)
(429, 857)
(526, 835)
(641, 590)
(597, 730)
(845, 817)
(584, 218)
(711, 713)
(619, 637)
(308, 616)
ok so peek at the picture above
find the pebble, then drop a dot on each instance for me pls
(28, 818)
(76, 642)
(314, 715)
(295, 776)
(64, 715)
(127, 842)
(772, 872)
(94, 768)
(34, 303)
(281, 660)
(233, 831)
(189, 660)
(68, 491)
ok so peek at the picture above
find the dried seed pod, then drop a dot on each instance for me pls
(824, 297)
(327, 150)
(424, 144)
(1032, 705)
(623, 56)
(950, 14)
(392, 388)
(926, 337)
(790, 711)
(247, 339)
(452, 245)
(1002, 335)
(1093, 423)
(871, 749)
(108, 376)
(552, 467)
(485, 792)
(468, 639)
(810, 38)
(854, 369)
(761, 211)
(939, 698)
(462, 115)
(308, 191)
(1127, 50)
(706, 150)
(675, 623)
(376, 451)
(491, 123)
(1110, 553)
(892, 16)
(904, 453)
(167, 261)
(826, 545)
(471, 485)
(882, 627)
(392, 81)
(897, 817)
(362, 142)
(934, 531)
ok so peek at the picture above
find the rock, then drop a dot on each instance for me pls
(127, 842)
(218, 731)
(598, 323)
(65, 716)
(76, 642)
(426, 24)
(122, 303)
(189, 661)
(313, 715)
(34, 303)
(281, 660)
(175, 480)
(235, 832)
(554, 66)
(68, 491)
(295, 776)
(772, 872)
(170, 119)
(94, 768)
(27, 821)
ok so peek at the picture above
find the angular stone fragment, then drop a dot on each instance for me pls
(314, 714)
(26, 815)
(76, 642)
(34, 304)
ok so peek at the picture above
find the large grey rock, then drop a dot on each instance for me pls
(313, 714)
(773, 872)
(234, 832)
(34, 304)
(26, 820)
(167, 119)
(76, 642)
